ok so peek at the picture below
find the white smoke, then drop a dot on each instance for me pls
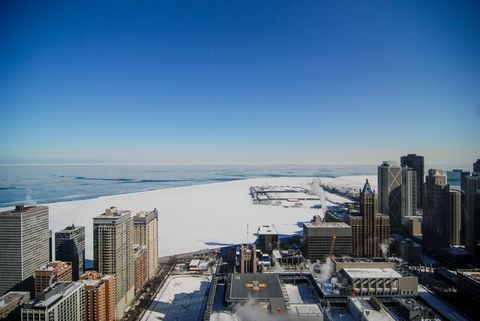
(28, 198)
(384, 246)
(318, 190)
(326, 270)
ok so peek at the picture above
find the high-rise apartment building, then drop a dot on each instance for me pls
(409, 193)
(70, 247)
(60, 302)
(455, 217)
(146, 233)
(99, 296)
(436, 218)
(140, 270)
(324, 238)
(50, 273)
(417, 163)
(390, 193)
(113, 253)
(24, 246)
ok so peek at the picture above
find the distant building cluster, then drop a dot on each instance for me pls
(33, 287)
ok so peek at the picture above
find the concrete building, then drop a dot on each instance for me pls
(24, 246)
(50, 273)
(361, 263)
(146, 233)
(455, 217)
(417, 163)
(413, 226)
(70, 247)
(436, 220)
(113, 253)
(319, 237)
(267, 238)
(141, 264)
(63, 301)
(375, 281)
(99, 296)
(409, 193)
(10, 305)
(390, 193)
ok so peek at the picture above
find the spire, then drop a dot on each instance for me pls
(366, 188)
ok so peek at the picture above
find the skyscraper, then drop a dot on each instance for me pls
(113, 253)
(146, 233)
(436, 218)
(476, 166)
(472, 220)
(375, 227)
(99, 296)
(389, 192)
(24, 246)
(70, 247)
(59, 302)
(409, 192)
(416, 162)
(455, 217)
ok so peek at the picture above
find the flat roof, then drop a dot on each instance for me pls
(267, 230)
(369, 312)
(327, 225)
(372, 273)
(254, 285)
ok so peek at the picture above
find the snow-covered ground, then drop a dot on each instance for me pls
(197, 217)
(182, 297)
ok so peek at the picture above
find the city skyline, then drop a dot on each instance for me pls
(239, 83)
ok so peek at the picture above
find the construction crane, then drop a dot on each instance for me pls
(332, 246)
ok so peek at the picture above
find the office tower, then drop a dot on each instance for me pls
(416, 162)
(267, 238)
(70, 247)
(23, 246)
(472, 220)
(140, 269)
(146, 233)
(10, 305)
(60, 302)
(435, 225)
(409, 193)
(389, 192)
(113, 253)
(322, 239)
(455, 217)
(99, 296)
(50, 273)
(476, 166)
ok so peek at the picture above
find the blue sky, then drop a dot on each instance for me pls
(239, 81)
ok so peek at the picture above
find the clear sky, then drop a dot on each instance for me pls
(239, 81)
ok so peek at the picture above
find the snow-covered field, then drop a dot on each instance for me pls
(198, 217)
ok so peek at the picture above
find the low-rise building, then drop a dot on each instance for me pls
(61, 301)
(10, 304)
(468, 286)
(50, 273)
(380, 282)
